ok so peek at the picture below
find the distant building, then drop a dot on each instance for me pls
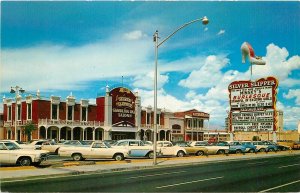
(1, 126)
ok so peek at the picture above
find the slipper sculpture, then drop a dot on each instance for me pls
(247, 51)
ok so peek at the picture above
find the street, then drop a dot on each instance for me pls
(276, 174)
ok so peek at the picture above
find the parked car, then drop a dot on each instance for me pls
(281, 147)
(12, 154)
(271, 147)
(260, 146)
(97, 150)
(234, 146)
(136, 148)
(212, 148)
(166, 148)
(197, 150)
(34, 144)
(250, 148)
(181, 143)
(51, 146)
(296, 145)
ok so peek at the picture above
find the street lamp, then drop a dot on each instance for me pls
(204, 21)
(16, 90)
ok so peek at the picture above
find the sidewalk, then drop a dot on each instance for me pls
(75, 168)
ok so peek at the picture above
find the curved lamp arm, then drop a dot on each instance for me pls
(204, 22)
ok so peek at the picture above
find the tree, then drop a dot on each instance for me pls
(255, 138)
(29, 127)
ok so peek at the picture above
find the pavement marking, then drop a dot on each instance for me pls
(288, 166)
(150, 175)
(257, 162)
(189, 182)
(280, 186)
(17, 168)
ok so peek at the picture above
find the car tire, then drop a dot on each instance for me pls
(262, 150)
(271, 150)
(150, 155)
(199, 153)
(180, 154)
(118, 157)
(77, 157)
(251, 151)
(24, 161)
(238, 151)
(221, 151)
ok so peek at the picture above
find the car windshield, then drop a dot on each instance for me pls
(11, 146)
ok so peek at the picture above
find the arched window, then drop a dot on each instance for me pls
(176, 128)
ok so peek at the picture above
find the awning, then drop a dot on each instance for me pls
(124, 129)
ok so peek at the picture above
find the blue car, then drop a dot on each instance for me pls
(271, 147)
(250, 148)
(233, 147)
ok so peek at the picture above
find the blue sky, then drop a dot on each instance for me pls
(79, 47)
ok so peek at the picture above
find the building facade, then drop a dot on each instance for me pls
(117, 115)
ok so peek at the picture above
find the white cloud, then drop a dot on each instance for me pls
(293, 93)
(147, 80)
(208, 74)
(221, 32)
(134, 35)
(50, 66)
(278, 65)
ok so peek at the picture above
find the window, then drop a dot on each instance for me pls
(70, 113)
(176, 128)
(29, 111)
(189, 123)
(158, 119)
(19, 112)
(84, 114)
(9, 113)
(148, 121)
(54, 111)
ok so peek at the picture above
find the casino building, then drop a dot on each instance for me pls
(116, 115)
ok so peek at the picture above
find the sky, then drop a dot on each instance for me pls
(64, 48)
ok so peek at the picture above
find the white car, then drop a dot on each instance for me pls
(167, 148)
(136, 148)
(97, 150)
(35, 144)
(51, 146)
(12, 154)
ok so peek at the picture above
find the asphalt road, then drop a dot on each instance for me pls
(276, 174)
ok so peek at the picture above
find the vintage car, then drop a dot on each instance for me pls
(34, 144)
(197, 150)
(260, 146)
(97, 150)
(212, 148)
(12, 154)
(250, 148)
(296, 145)
(136, 148)
(166, 148)
(234, 146)
(51, 146)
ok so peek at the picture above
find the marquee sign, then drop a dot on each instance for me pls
(253, 105)
(123, 107)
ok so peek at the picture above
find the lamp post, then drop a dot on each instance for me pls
(17, 90)
(204, 21)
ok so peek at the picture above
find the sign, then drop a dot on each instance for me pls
(253, 105)
(200, 114)
(253, 121)
(123, 107)
(259, 94)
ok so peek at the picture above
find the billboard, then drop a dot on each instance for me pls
(253, 105)
(123, 107)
